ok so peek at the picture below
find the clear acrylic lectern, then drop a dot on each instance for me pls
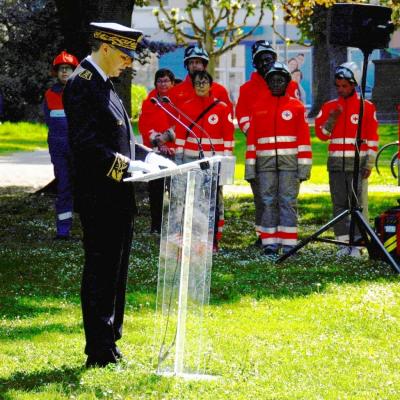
(184, 269)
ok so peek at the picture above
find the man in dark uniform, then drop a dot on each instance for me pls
(104, 152)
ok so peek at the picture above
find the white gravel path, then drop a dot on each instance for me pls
(29, 169)
(34, 169)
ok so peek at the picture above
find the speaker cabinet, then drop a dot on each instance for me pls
(359, 25)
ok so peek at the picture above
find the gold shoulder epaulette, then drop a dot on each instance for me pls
(86, 74)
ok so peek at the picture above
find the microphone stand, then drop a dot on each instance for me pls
(167, 100)
(203, 165)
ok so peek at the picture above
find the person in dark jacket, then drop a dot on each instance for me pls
(104, 153)
(60, 153)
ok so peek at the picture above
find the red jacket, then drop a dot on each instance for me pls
(217, 122)
(153, 120)
(248, 94)
(341, 147)
(183, 91)
(278, 137)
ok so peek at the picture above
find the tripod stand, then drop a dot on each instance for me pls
(370, 240)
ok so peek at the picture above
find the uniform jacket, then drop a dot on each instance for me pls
(183, 91)
(278, 137)
(248, 94)
(54, 112)
(153, 120)
(342, 139)
(99, 134)
(217, 122)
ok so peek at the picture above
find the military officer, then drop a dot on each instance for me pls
(104, 153)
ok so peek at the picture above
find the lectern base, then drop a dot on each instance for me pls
(189, 377)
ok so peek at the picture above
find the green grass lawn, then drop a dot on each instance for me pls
(22, 136)
(311, 328)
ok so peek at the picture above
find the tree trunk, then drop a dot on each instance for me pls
(75, 16)
(326, 58)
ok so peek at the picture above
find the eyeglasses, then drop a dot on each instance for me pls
(201, 83)
(165, 81)
(65, 69)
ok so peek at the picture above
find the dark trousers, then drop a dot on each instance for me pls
(107, 240)
(156, 196)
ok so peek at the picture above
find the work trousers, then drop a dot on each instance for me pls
(107, 240)
(60, 155)
(278, 191)
(156, 197)
(258, 205)
(340, 184)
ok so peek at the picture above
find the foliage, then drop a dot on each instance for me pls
(29, 39)
(270, 330)
(138, 94)
(301, 14)
(221, 20)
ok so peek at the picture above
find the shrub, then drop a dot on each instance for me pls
(138, 94)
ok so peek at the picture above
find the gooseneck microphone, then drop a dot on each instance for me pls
(154, 100)
(167, 100)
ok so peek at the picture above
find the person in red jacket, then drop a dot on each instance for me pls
(337, 122)
(278, 158)
(196, 59)
(157, 130)
(59, 149)
(214, 129)
(263, 56)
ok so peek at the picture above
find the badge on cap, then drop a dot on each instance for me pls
(120, 36)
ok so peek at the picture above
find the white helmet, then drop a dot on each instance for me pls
(350, 71)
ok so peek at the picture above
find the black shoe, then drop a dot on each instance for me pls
(101, 359)
(258, 243)
(117, 353)
(62, 237)
(270, 254)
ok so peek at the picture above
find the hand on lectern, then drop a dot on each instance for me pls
(158, 161)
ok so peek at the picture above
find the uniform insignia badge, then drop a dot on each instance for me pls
(354, 119)
(287, 115)
(120, 165)
(213, 119)
(86, 74)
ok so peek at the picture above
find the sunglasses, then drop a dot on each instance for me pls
(343, 73)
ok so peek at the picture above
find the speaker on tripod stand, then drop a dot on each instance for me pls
(367, 27)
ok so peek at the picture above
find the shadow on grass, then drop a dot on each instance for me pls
(32, 381)
(28, 332)
(11, 308)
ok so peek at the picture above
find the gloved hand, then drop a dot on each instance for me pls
(166, 151)
(140, 166)
(158, 161)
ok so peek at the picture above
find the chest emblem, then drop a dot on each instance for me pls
(213, 119)
(354, 119)
(287, 115)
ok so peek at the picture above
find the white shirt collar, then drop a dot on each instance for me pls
(99, 70)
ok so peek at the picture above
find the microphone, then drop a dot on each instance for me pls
(204, 165)
(166, 99)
